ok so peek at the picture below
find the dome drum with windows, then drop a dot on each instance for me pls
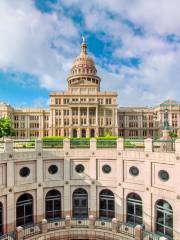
(83, 70)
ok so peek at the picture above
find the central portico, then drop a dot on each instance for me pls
(83, 110)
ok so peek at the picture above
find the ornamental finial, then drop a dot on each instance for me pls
(83, 46)
(83, 39)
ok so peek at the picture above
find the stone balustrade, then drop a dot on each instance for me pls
(110, 228)
(147, 145)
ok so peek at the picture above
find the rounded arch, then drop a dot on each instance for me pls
(134, 195)
(106, 204)
(1, 218)
(80, 203)
(83, 133)
(106, 192)
(164, 217)
(24, 209)
(80, 191)
(92, 133)
(134, 208)
(53, 204)
(74, 133)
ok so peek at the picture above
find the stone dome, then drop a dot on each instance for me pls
(83, 64)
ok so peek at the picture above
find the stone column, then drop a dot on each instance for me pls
(96, 116)
(91, 222)
(138, 232)
(50, 123)
(114, 225)
(68, 222)
(88, 116)
(79, 123)
(62, 117)
(19, 233)
(116, 121)
(79, 115)
(148, 145)
(27, 127)
(44, 226)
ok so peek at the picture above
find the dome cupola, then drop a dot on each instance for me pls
(83, 69)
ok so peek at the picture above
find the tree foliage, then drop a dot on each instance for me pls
(5, 127)
(173, 135)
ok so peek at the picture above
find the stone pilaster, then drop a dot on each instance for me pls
(8, 146)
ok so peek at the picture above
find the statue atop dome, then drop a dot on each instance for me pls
(83, 46)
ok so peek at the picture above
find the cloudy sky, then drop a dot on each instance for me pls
(135, 44)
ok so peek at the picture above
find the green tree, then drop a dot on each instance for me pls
(5, 127)
(173, 135)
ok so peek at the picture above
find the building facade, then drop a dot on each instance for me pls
(135, 186)
(85, 111)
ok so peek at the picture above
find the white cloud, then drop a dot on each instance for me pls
(27, 35)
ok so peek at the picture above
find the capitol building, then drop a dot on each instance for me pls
(84, 111)
(83, 186)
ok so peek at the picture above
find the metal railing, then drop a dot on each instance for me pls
(103, 224)
(134, 144)
(52, 143)
(150, 236)
(127, 228)
(8, 236)
(83, 223)
(79, 143)
(55, 224)
(25, 144)
(103, 143)
(31, 230)
(163, 146)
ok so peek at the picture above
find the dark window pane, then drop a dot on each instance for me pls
(28, 209)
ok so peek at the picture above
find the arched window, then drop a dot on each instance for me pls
(92, 133)
(106, 204)
(75, 133)
(164, 218)
(1, 218)
(80, 203)
(134, 209)
(83, 133)
(53, 204)
(24, 210)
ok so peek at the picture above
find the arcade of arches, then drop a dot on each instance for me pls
(53, 209)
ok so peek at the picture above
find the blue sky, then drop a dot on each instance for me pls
(135, 45)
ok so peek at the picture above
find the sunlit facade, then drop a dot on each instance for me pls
(86, 111)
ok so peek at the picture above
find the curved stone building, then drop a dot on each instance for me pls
(124, 189)
(126, 192)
